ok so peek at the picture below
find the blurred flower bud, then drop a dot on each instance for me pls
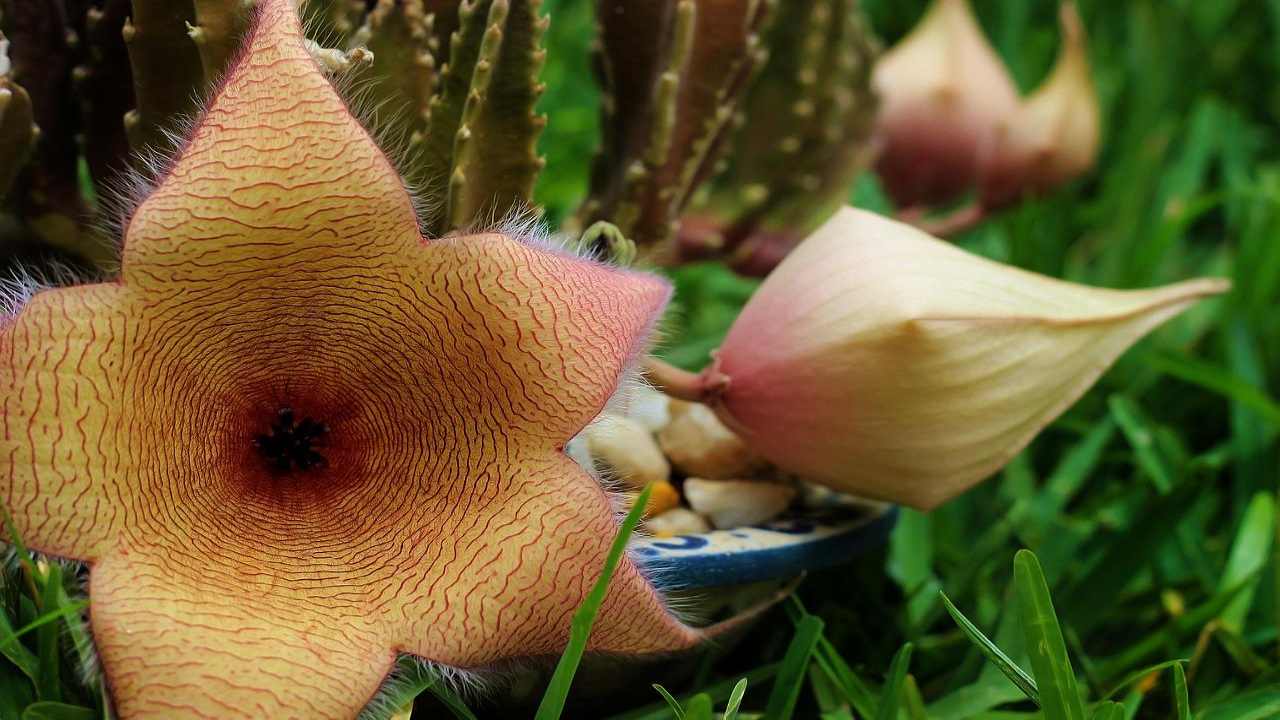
(1054, 136)
(944, 92)
(880, 361)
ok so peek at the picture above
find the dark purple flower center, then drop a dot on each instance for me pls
(291, 445)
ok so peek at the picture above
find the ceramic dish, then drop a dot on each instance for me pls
(807, 538)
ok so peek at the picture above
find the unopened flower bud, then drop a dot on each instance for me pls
(880, 361)
(944, 92)
(1055, 135)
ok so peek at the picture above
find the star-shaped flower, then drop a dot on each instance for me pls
(296, 438)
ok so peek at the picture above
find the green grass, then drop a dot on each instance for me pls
(1154, 588)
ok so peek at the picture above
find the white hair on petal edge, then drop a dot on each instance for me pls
(525, 224)
(355, 89)
(470, 685)
(125, 191)
(22, 284)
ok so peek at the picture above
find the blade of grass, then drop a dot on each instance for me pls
(1249, 554)
(824, 690)
(1108, 711)
(1055, 680)
(56, 711)
(557, 692)
(723, 689)
(1259, 704)
(1137, 675)
(450, 699)
(24, 556)
(49, 684)
(1137, 429)
(891, 693)
(1179, 628)
(1119, 564)
(1213, 378)
(1181, 698)
(16, 652)
(81, 639)
(786, 688)
(15, 691)
(699, 708)
(60, 612)
(411, 679)
(914, 700)
(676, 708)
(1016, 675)
(735, 700)
(854, 689)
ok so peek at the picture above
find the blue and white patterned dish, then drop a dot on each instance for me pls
(804, 539)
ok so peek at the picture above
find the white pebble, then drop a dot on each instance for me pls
(628, 450)
(736, 503)
(650, 408)
(677, 521)
(701, 446)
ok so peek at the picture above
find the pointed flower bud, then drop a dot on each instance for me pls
(1055, 135)
(880, 361)
(944, 92)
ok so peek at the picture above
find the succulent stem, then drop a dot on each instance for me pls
(480, 144)
(221, 26)
(673, 72)
(167, 74)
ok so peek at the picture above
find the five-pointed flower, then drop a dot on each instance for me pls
(295, 438)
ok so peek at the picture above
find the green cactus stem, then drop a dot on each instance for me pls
(805, 134)
(18, 131)
(673, 72)
(480, 149)
(46, 195)
(445, 20)
(400, 35)
(167, 74)
(104, 84)
(220, 25)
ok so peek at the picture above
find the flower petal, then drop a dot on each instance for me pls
(60, 446)
(277, 178)
(881, 361)
(515, 577)
(548, 333)
(185, 641)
